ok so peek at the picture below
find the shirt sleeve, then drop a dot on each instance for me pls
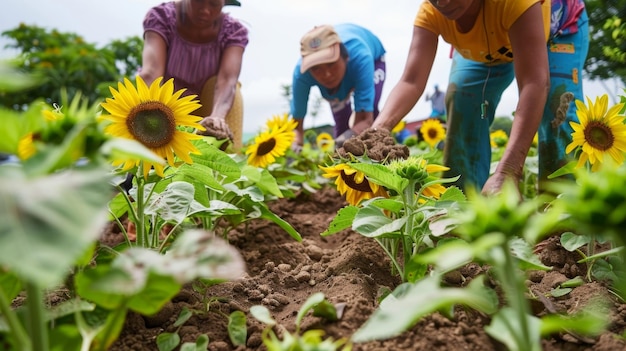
(159, 19)
(235, 33)
(300, 95)
(364, 83)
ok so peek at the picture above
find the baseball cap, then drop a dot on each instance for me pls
(320, 45)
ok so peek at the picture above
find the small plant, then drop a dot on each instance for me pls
(310, 340)
(393, 204)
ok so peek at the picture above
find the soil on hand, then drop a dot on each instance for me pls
(351, 270)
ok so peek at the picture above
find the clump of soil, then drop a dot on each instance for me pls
(377, 144)
(352, 270)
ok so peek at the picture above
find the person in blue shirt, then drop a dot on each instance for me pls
(346, 62)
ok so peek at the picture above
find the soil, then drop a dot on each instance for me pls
(352, 270)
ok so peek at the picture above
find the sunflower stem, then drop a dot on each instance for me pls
(142, 235)
(407, 238)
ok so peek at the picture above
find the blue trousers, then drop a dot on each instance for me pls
(474, 91)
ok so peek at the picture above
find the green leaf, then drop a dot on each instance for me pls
(590, 321)
(523, 251)
(310, 303)
(200, 174)
(201, 344)
(237, 328)
(50, 222)
(10, 285)
(397, 314)
(372, 222)
(183, 317)
(167, 341)
(343, 220)
(382, 175)
(558, 292)
(506, 328)
(266, 213)
(262, 314)
(571, 242)
(173, 203)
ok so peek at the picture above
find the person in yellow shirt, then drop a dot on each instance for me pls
(542, 45)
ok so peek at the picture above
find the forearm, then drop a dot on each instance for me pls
(525, 124)
(400, 102)
(223, 98)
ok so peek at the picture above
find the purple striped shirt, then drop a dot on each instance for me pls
(192, 64)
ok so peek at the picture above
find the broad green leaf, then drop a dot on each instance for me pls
(382, 175)
(523, 251)
(200, 174)
(371, 222)
(50, 221)
(10, 285)
(173, 203)
(571, 242)
(167, 341)
(397, 314)
(343, 220)
(216, 160)
(237, 331)
(506, 327)
(559, 292)
(129, 150)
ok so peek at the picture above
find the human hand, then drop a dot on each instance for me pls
(343, 137)
(495, 183)
(215, 127)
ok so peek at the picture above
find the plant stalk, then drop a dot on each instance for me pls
(21, 337)
(36, 319)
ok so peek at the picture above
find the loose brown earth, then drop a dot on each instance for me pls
(349, 269)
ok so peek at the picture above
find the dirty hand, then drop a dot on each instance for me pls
(215, 127)
(343, 137)
(494, 184)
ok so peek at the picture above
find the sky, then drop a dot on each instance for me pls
(275, 28)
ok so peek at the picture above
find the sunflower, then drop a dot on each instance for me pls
(282, 123)
(268, 146)
(325, 142)
(151, 116)
(399, 127)
(498, 138)
(26, 146)
(417, 168)
(599, 133)
(433, 132)
(353, 184)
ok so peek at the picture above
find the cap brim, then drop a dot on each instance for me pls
(330, 54)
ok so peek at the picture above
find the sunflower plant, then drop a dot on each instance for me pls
(393, 204)
(496, 231)
(271, 150)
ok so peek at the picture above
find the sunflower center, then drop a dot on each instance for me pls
(266, 147)
(152, 123)
(363, 187)
(432, 133)
(599, 135)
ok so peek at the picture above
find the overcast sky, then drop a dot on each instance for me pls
(275, 28)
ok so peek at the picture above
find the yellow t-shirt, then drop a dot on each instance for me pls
(499, 16)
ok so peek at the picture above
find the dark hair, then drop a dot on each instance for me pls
(343, 52)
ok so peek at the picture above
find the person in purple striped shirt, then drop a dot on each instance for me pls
(201, 47)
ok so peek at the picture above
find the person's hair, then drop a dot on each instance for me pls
(343, 52)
